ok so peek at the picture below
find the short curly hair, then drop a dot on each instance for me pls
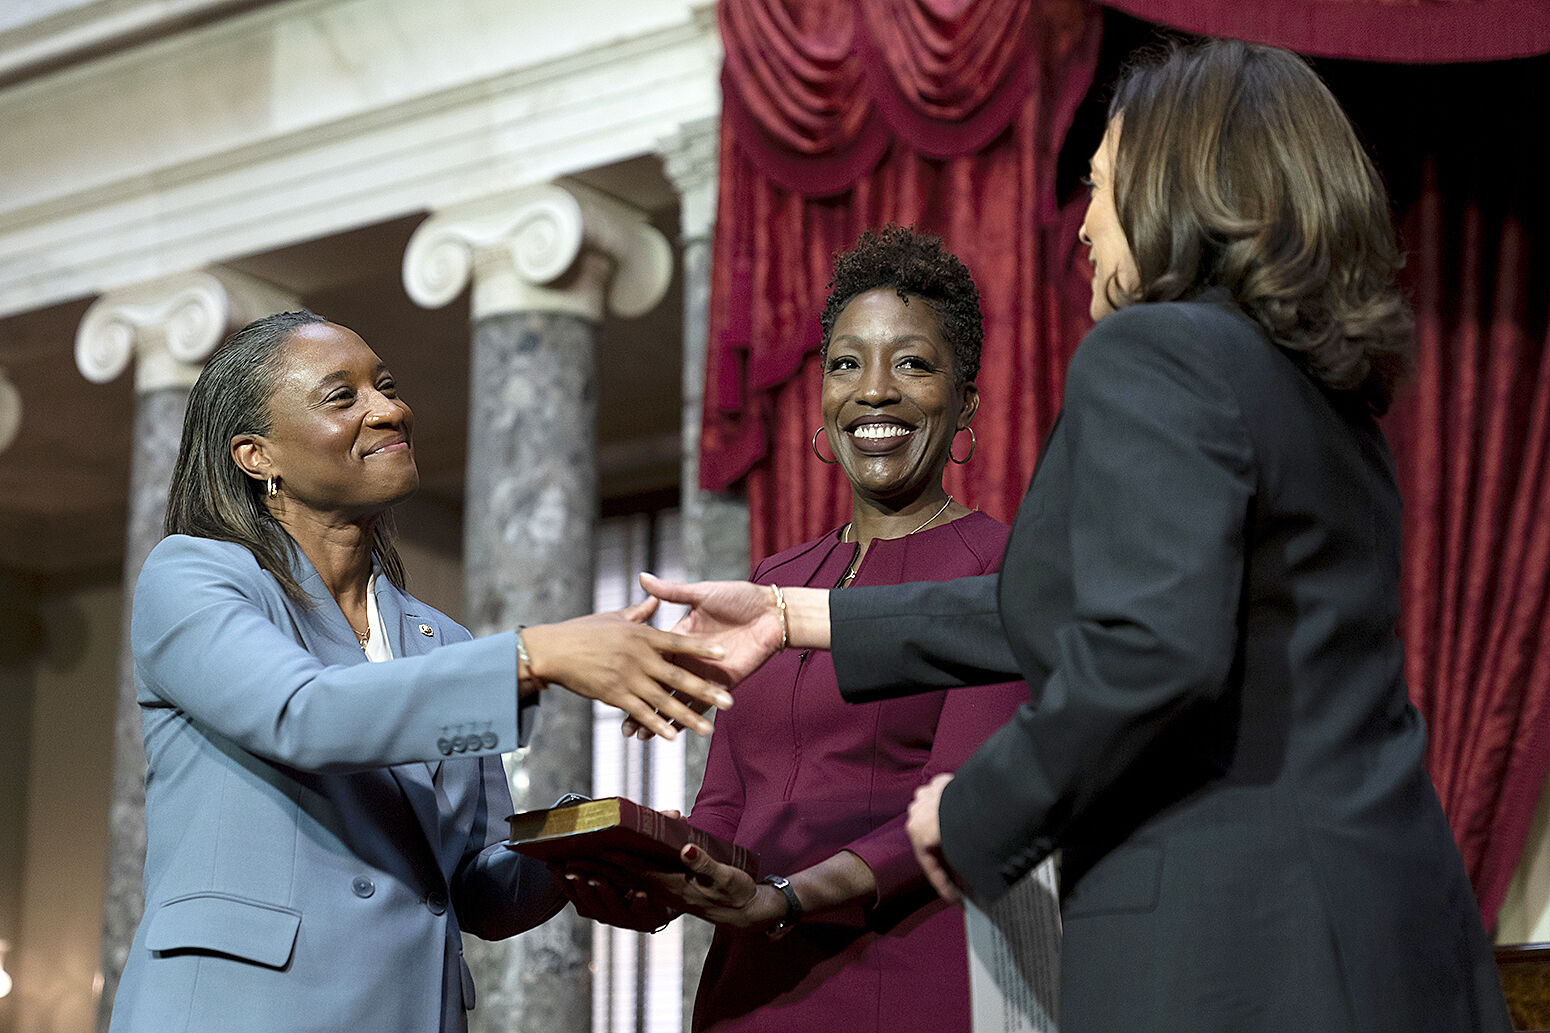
(913, 264)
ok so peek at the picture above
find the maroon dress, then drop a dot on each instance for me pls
(799, 775)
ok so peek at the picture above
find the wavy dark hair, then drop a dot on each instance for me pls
(1236, 168)
(915, 265)
(211, 496)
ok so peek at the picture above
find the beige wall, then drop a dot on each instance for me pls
(63, 808)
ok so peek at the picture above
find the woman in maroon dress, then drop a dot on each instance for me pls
(844, 932)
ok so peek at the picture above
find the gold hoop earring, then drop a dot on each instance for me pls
(973, 443)
(821, 459)
(271, 486)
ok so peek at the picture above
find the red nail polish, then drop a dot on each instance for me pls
(691, 853)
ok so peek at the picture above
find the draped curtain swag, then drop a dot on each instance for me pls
(840, 115)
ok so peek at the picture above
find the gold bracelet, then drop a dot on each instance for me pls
(524, 660)
(780, 608)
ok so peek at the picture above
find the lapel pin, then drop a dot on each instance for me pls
(425, 629)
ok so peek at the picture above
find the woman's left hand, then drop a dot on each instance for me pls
(925, 832)
(719, 893)
(619, 659)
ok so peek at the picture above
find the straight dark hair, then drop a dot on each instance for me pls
(1237, 168)
(211, 496)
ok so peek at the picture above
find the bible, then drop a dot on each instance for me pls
(618, 832)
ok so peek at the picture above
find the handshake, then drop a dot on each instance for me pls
(666, 680)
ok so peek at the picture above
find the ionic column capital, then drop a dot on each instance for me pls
(548, 248)
(170, 325)
(691, 158)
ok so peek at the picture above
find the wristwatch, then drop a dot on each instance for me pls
(793, 907)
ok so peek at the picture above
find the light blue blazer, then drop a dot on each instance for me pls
(319, 828)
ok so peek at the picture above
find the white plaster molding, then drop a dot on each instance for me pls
(10, 411)
(79, 31)
(170, 326)
(524, 251)
(691, 158)
(126, 181)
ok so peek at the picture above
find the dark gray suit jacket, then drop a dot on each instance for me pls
(320, 829)
(1201, 588)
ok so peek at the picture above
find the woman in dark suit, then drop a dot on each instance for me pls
(325, 799)
(1201, 588)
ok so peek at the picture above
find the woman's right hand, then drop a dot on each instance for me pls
(747, 620)
(739, 616)
(621, 660)
(609, 895)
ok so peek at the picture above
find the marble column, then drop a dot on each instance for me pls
(545, 264)
(167, 327)
(714, 524)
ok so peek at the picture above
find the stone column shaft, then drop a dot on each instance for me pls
(530, 522)
(544, 262)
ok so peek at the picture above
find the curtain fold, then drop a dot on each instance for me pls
(1472, 445)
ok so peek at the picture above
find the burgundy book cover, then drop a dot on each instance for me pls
(619, 832)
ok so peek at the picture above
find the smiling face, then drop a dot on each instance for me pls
(890, 407)
(340, 441)
(1114, 267)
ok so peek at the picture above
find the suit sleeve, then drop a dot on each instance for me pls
(1162, 477)
(898, 640)
(204, 643)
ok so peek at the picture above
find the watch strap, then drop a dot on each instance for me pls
(793, 906)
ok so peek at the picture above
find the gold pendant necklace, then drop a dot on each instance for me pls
(855, 564)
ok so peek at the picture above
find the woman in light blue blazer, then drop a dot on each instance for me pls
(324, 791)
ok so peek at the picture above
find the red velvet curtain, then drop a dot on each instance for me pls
(843, 114)
(1471, 437)
(840, 116)
(1472, 443)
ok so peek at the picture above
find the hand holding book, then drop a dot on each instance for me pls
(635, 867)
(605, 893)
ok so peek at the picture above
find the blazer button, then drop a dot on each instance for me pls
(437, 903)
(363, 887)
(445, 746)
(491, 740)
(458, 744)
